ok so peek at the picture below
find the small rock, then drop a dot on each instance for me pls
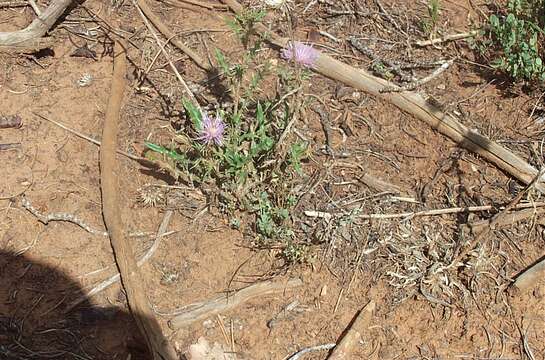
(10, 121)
(208, 324)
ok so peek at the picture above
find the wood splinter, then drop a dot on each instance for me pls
(530, 277)
(345, 347)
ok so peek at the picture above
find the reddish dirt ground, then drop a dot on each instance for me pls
(44, 266)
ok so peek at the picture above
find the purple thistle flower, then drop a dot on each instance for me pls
(212, 130)
(302, 54)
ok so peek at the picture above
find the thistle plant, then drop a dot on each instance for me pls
(516, 40)
(236, 152)
(301, 54)
(212, 130)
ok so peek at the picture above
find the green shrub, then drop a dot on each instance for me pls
(518, 34)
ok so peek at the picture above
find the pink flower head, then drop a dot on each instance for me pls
(302, 54)
(212, 130)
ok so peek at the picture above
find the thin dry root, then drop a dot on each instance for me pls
(224, 303)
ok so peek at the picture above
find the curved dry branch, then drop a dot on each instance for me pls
(131, 278)
(31, 36)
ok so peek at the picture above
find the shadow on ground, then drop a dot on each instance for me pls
(34, 323)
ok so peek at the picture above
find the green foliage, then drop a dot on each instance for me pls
(298, 151)
(194, 114)
(240, 168)
(295, 253)
(381, 70)
(243, 25)
(518, 35)
(429, 24)
(250, 171)
(269, 216)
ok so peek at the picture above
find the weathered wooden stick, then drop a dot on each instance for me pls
(417, 106)
(379, 184)
(514, 217)
(205, 309)
(446, 124)
(29, 37)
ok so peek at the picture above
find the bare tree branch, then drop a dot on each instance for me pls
(30, 37)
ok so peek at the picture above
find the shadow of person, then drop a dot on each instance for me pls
(34, 323)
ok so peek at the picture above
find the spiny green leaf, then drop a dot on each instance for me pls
(194, 114)
(222, 61)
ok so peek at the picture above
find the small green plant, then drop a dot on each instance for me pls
(295, 253)
(236, 154)
(382, 70)
(518, 35)
(243, 25)
(428, 25)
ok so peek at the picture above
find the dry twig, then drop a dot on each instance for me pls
(45, 219)
(202, 4)
(434, 212)
(88, 138)
(165, 54)
(395, 68)
(415, 84)
(496, 220)
(5, 4)
(71, 218)
(10, 146)
(158, 23)
(513, 217)
(154, 164)
(35, 7)
(390, 18)
(446, 38)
